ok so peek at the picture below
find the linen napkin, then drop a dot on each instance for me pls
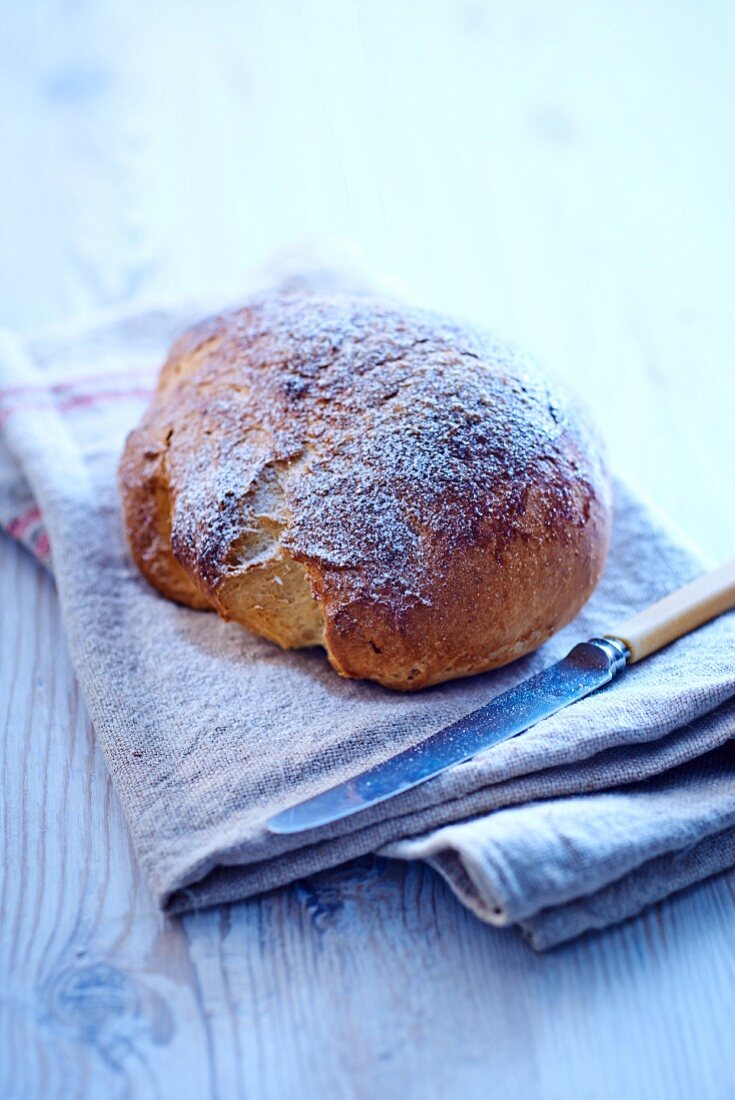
(595, 813)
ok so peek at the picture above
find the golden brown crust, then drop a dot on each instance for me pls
(341, 470)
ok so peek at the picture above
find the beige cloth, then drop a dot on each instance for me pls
(208, 730)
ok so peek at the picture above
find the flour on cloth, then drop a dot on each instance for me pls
(608, 806)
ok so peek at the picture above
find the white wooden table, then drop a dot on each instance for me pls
(562, 170)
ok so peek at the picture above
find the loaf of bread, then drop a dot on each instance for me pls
(340, 471)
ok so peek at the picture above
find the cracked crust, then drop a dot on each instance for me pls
(341, 471)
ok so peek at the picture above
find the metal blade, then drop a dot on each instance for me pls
(587, 667)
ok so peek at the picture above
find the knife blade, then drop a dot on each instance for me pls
(587, 667)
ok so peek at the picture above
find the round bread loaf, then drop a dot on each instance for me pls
(341, 471)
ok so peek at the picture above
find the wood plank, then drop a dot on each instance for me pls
(558, 170)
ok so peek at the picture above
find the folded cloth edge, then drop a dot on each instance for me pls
(23, 359)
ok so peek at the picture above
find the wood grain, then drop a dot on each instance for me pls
(562, 171)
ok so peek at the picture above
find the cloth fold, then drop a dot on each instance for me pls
(608, 806)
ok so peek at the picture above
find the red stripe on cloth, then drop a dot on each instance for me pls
(42, 546)
(71, 383)
(18, 526)
(80, 400)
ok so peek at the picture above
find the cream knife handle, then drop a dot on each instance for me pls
(677, 614)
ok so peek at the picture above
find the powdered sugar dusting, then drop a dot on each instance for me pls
(397, 438)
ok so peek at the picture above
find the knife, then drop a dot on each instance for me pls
(589, 666)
